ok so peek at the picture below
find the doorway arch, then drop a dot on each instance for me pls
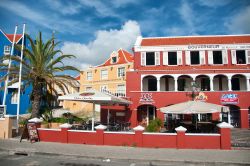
(234, 115)
(146, 113)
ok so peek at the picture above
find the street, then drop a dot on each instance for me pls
(45, 160)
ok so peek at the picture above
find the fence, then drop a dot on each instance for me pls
(139, 138)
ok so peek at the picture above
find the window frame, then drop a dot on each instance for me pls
(14, 98)
(198, 58)
(7, 51)
(118, 73)
(176, 58)
(153, 60)
(237, 58)
(221, 57)
(89, 78)
(102, 78)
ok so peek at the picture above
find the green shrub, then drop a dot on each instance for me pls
(154, 125)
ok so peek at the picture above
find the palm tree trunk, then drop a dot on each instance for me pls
(36, 101)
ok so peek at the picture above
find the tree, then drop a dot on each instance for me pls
(43, 69)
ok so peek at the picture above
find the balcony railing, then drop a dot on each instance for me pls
(115, 92)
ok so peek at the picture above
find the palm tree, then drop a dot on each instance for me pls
(43, 69)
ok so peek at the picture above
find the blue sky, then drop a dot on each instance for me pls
(92, 29)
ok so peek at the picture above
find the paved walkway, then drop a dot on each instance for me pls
(240, 138)
(218, 157)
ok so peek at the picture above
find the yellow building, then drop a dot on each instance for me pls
(109, 77)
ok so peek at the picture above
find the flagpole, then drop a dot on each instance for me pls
(7, 77)
(20, 82)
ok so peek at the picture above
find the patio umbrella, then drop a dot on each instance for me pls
(194, 107)
(95, 97)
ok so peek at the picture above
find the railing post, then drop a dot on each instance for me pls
(64, 132)
(100, 134)
(138, 136)
(225, 135)
(180, 139)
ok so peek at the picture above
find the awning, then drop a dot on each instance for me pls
(95, 97)
(194, 107)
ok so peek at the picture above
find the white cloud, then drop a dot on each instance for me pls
(65, 8)
(239, 23)
(46, 20)
(175, 31)
(214, 3)
(188, 16)
(101, 7)
(97, 51)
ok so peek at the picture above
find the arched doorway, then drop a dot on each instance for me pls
(203, 82)
(149, 83)
(239, 82)
(145, 114)
(234, 115)
(167, 83)
(220, 83)
(184, 83)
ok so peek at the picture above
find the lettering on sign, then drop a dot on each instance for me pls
(202, 46)
(146, 98)
(201, 97)
(229, 99)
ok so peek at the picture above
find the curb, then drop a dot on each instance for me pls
(155, 161)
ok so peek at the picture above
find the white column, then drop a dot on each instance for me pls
(248, 84)
(199, 117)
(93, 117)
(108, 117)
(220, 116)
(229, 84)
(175, 84)
(229, 118)
(147, 115)
(211, 83)
(158, 84)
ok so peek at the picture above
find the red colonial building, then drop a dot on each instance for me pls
(165, 68)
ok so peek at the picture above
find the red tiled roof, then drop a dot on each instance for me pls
(77, 77)
(195, 40)
(123, 57)
(11, 36)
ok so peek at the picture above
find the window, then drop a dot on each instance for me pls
(235, 83)
(104, 74)
(114, 59)
(205, 84)
(121, 71)
(14, 98)
(89, 75)
(195, 57)
(181, 84)
(217, 57)
(150, 58)
(6, 50)
(240, 57)
(172, 58)
(121, 89)
(152, 84)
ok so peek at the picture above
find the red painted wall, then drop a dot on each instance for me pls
(162, 99)
(89, 138)
(139, 139)
(118, 139)
(159, 141)
(202, 142)
(50, 135)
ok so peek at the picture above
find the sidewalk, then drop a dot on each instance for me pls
(127, 153)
